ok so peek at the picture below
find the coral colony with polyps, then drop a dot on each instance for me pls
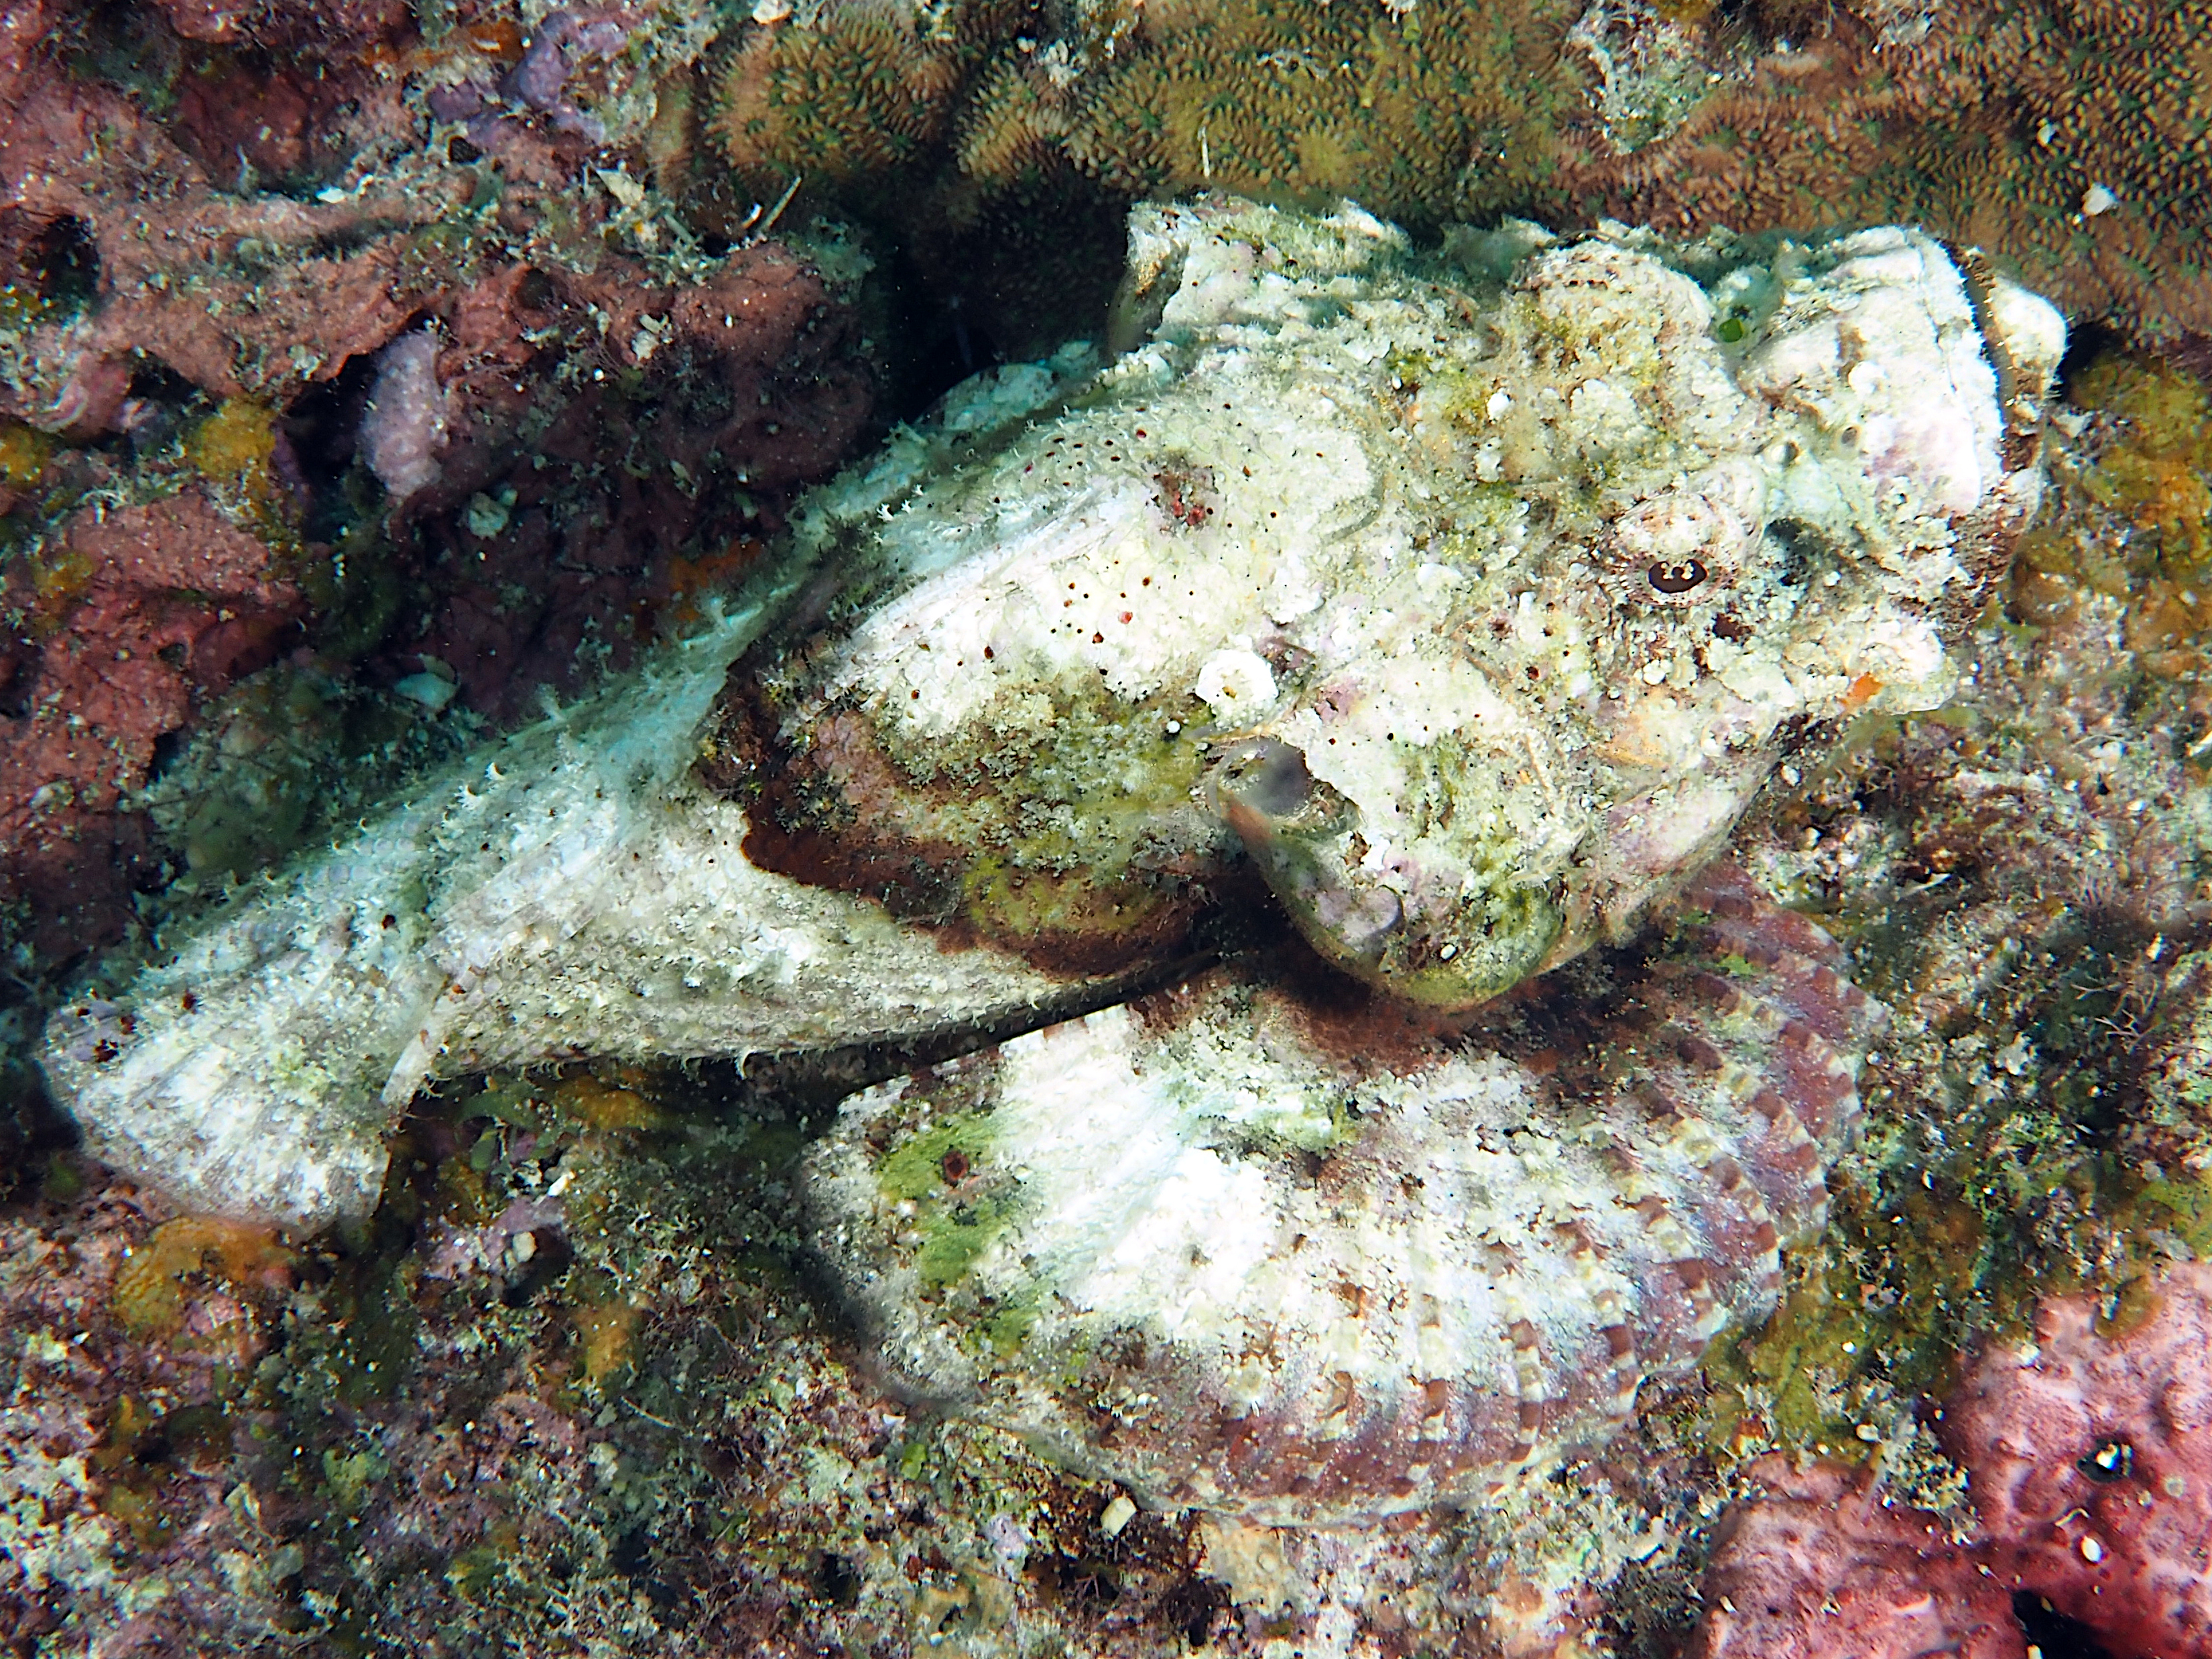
(1465, 601)
(1459, 939)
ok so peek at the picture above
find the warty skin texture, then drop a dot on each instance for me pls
(1475, 611)
(1533, 556)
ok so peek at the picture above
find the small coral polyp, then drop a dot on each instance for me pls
(1322, 580)
(1207, 1245)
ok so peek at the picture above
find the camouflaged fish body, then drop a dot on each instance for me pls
(1463, 600)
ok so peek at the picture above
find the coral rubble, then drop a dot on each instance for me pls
(1509, 611)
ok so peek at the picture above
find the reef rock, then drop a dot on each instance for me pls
(2089, 1455)
(1820, 1564)
(1234, 1251)
(1466, 599)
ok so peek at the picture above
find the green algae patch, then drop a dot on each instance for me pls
(1509, 933)
(936, 1171)
(350, 1476)
(2185, 1207)
(1010, 1326)
(922, 1167)
(1021, 907)
(1873, 1314)
(951, 1241)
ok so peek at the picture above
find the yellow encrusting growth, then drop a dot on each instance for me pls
(233, 445)
(234, 451)
(23, 452)
(605, 1106)
(605, 1331)
(149, 1289)
(2135, 521)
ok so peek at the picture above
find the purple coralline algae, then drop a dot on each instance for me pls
(563, 40)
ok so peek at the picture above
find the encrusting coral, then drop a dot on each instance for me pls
(1276, 99)
(2064, 138)
(1438, 111)
(860, 89)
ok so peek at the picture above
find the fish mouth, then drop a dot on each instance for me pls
(1417, 931)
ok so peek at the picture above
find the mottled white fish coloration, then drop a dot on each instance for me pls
(566, 891)
(1236, 1249)
(1467, 600)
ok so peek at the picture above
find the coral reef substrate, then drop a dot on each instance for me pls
(205, 252)
(2067, 140)
(2088, 1458)
(612, 1415)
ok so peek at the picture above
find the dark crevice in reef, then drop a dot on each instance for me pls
(2052, 1633)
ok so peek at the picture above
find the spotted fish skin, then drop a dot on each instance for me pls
(1236, 1249)
(1469, 612)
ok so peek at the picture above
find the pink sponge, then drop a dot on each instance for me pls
(2089, 1458)
(404, 426)
(2090, 1463)
(1820, 1569)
